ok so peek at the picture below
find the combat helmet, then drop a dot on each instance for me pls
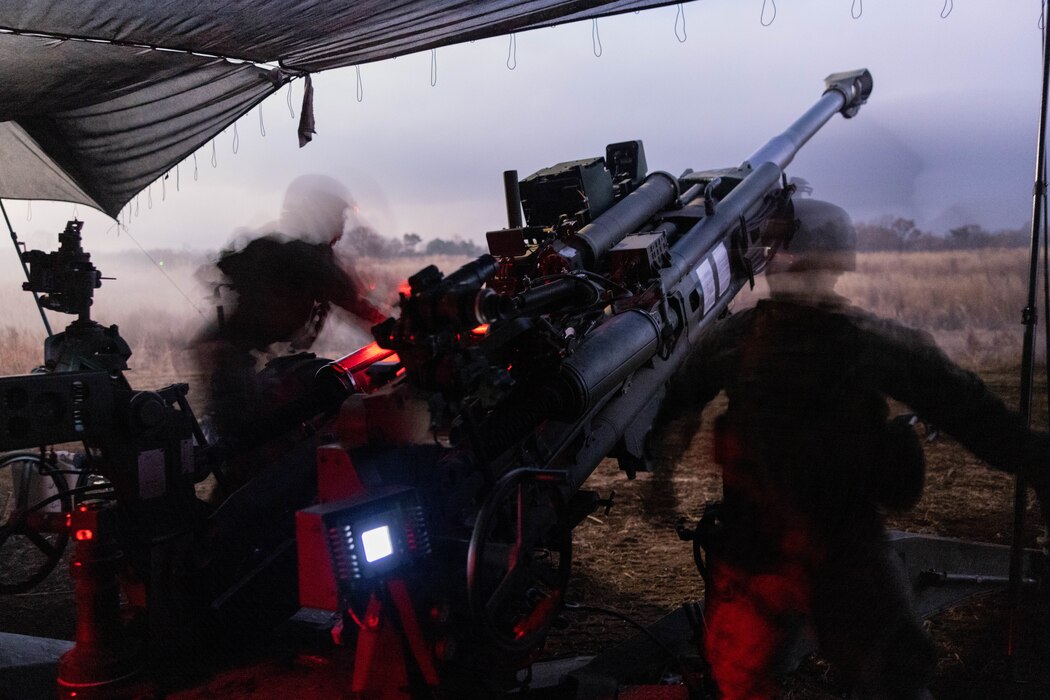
(824, 239)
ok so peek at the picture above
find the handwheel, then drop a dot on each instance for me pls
(33, 534)
(519, 559)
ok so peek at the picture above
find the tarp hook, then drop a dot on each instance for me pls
(762, 15)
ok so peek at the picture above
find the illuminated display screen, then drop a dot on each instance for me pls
(369, 536)
(377, 543)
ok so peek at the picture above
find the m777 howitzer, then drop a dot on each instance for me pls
(515, 376)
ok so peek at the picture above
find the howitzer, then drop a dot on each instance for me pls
(500, 388)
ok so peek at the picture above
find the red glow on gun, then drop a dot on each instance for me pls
(356, 364)
(360, 360)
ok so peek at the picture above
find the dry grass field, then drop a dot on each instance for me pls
(969, 300)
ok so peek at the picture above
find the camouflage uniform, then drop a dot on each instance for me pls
(810, 462)
(284, 288)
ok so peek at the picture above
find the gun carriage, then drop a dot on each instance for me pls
(517, 374)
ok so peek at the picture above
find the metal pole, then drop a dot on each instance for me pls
(1028, 356)
(513, 197)
(25, 269)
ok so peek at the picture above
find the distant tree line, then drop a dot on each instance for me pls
(368, 242)
(903, 235)
(887, 233)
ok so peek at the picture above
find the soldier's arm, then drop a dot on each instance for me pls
(909, 366)
(338, 287)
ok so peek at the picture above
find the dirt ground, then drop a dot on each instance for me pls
(631, 560)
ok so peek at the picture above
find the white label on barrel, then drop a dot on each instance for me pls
(725, 275)
(707, 282)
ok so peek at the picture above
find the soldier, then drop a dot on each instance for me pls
(284, 284)
(810, 463)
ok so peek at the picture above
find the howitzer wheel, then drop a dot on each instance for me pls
(519, 560)
(32, 534)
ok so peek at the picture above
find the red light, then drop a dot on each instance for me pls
(82, 535)
(360, 359)
(82, 509)
(404, 288)
(77, 563)
(480, 330)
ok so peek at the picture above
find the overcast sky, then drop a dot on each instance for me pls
(948, 137)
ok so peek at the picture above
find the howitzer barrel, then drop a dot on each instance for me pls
(703, 250)
(845, 93)
(687, 253)
(626, 216)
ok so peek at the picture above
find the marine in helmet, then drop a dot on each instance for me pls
(811, 462)
(284, 285)
(286, 281)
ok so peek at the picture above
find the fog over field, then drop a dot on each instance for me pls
(970, 300)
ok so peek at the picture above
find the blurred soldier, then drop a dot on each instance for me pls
(810, 462)
(284, 284)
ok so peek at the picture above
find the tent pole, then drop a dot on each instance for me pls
(25, 268)
(1028, 356)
